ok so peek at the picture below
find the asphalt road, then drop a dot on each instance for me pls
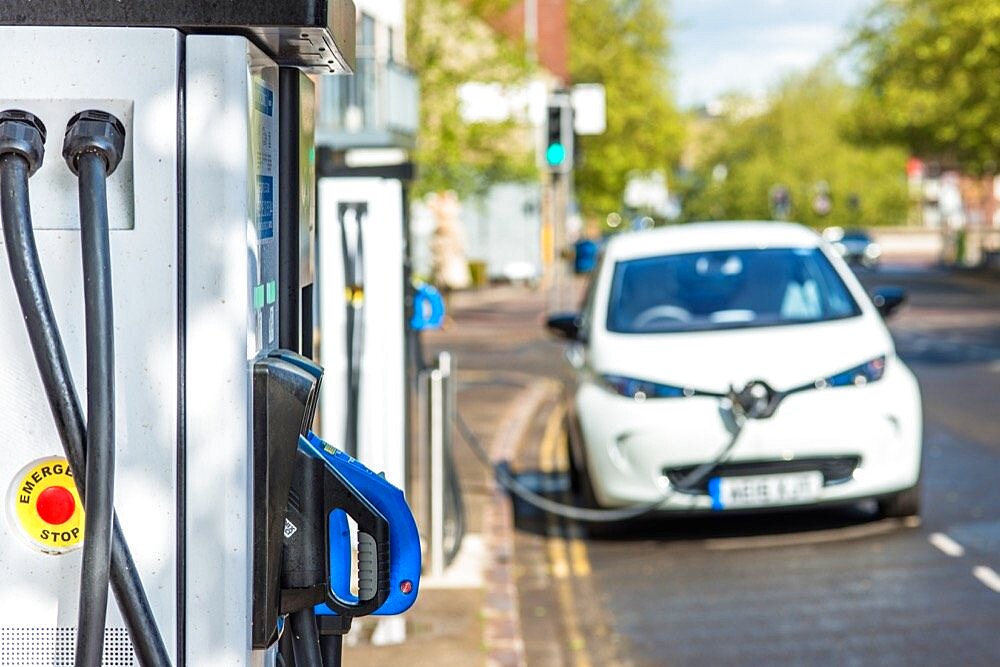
(832, 587)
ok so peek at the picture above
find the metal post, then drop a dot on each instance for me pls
(559, 236)
(447, 365)
(437, 472)
(437, 401)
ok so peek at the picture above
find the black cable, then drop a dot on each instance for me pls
(352, 247)
(53, 368)
(574, 513)
(333, 650)
(305, 638)
(99, 317)
(453, 498)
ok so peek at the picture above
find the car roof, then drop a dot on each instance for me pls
(701, 236)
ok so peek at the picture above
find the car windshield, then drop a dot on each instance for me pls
(726, 289)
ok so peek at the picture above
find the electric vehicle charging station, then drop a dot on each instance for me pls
(210, 214)
(362, 287)
(362, 253)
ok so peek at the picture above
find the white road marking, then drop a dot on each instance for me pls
(947, 545)
(989, 578)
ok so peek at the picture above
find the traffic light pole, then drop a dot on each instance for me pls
(558, 198)
(558, 158)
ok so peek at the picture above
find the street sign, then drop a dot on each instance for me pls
(589, 108)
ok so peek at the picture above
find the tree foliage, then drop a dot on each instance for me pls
(449, 44)
(623, 44)
(931, 71)
(795, 142)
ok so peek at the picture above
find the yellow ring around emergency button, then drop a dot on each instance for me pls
(28, 486)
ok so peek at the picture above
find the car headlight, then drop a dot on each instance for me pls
(642, 389)
(870, 371)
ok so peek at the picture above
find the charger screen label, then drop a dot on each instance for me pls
(44, 506)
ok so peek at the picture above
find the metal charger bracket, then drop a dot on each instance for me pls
(284, 396)
(304, 553)
(317, 36)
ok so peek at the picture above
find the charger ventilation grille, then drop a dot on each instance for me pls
(55, 647)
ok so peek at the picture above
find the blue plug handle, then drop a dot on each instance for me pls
(404, 540)
(428, 308)
(373, 542)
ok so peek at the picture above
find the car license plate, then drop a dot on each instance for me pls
(765, 490)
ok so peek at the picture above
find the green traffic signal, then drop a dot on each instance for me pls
(555, 154)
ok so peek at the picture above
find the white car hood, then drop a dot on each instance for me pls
(782, 356)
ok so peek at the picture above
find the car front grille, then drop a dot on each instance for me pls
(835, 469)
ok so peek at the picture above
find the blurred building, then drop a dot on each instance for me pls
(377, 108)
(543, 25)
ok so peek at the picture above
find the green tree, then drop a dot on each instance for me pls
(449, 44)
(623, 44)
(931, 72)
(795, 141)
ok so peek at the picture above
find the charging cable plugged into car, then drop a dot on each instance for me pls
(754, 401)
(737, 403)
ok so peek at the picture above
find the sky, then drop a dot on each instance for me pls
(749, 45)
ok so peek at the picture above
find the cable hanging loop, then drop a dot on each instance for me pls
(586, 514)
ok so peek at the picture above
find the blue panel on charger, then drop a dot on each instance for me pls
(404, 540)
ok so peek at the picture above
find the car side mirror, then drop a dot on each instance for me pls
(888, 299)
(564, 325)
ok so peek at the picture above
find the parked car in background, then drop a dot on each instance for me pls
(856, 246)
(681, 323)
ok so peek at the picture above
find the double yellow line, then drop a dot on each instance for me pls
(567, 557)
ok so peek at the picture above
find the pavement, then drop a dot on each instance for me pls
(470, 615)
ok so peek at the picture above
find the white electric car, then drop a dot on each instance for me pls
(749, 340)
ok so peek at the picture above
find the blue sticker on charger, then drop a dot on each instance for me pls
(265, 207)
(263, 99)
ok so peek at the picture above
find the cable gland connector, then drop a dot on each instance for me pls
(23, 133)
(94, 131)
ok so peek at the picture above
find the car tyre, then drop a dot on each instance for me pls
(903, 504)
(577, 467)
(580, 484)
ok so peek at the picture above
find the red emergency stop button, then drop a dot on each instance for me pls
(55, 505)
(46, 507)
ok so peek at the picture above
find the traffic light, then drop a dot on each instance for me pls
(559, 134)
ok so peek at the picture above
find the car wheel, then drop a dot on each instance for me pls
(585, 490)
(579, 477)
(580, 484)
(900, 505)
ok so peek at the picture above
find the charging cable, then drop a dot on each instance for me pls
(22, 138)
(586, 514)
